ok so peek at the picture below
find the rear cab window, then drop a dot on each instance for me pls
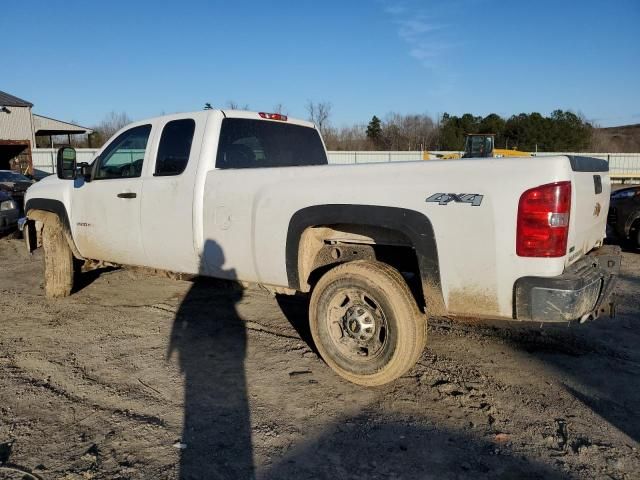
(175, 147)
(248, 143)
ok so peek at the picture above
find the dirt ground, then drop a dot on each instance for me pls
(139, 376)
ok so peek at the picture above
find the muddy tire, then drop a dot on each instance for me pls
(58, 261)
(365, 322)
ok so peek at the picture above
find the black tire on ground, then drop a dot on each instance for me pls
(634, 235)
(365, 322)
(58, 261)
(16, 234)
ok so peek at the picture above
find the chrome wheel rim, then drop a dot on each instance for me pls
(357, 324)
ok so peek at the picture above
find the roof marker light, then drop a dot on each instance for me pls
(273, 116)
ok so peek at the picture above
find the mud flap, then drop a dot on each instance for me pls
(30, 235)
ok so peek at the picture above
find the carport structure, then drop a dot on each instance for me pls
(45, 126)
(19, 129)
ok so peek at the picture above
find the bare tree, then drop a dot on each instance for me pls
(113, 122)
(399, 132)
(280, 108)
(408, 132)
(109, 125)
(319, 114)
(232, 105)
(348, 138)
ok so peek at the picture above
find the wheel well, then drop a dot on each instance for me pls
(37, 219)
(324, 247)
(393, 233)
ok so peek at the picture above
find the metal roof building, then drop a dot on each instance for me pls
(20, 128)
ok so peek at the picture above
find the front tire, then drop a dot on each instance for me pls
(58, 261)
(365, 322)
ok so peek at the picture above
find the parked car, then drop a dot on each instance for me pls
(9, 212)
(38, 175)
(624, 214)
(15, 184)
(250, 197)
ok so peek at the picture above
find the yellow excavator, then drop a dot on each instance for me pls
(481, 145)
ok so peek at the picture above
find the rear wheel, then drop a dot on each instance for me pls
(365, 322)
(58, 260)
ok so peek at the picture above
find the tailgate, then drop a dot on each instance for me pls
(590, 203)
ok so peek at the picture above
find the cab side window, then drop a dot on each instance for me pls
(175, 147)
(123, 158)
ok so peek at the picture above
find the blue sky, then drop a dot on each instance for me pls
(79, 60)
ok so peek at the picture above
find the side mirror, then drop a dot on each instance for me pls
(66, 165)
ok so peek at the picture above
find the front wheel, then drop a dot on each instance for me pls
(365, 322)
(58, 260)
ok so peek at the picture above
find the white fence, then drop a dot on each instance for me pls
(372, 157)
(621, 165)
(44, 159)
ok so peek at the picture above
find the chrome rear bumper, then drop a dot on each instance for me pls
(583, 292)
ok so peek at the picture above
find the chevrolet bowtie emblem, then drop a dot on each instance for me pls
(596, 210)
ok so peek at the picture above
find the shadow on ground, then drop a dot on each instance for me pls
(367, 446)
(295, 308)
(210, 340)
(597, 362)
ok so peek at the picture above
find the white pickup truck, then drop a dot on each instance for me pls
(250, 197)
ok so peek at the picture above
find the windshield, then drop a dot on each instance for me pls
(13, 177)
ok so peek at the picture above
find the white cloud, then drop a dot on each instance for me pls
(395, 9)
(412, 29)
(424, 35)
(424, 51)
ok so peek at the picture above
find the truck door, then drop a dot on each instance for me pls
(105, 212)
(168, 196)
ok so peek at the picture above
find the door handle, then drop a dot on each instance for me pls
(127, 195)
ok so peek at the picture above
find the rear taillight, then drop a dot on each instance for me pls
(543, 221)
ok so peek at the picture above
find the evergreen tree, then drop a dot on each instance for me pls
(493, 123)
(374, 131)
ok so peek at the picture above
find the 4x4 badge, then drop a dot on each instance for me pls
(474, 199)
